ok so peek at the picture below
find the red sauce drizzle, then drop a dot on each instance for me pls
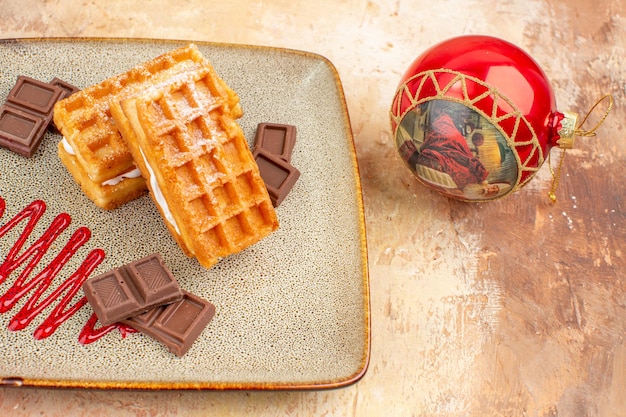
(90, 333)
(37, 285)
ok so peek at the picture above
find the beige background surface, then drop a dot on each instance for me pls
(512, 308)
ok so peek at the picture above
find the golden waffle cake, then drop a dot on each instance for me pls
(199, 168)
(92, 148)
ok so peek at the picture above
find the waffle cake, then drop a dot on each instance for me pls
(92, 148)
(198, 166)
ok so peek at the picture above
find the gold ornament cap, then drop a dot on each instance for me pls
(570, 128)
(569, 125)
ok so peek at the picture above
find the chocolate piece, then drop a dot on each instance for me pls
(23, 134)
(67, 88)
(131, 289)
(277, 139)
(279, 175)
(34, 96)
(20, 132)
(176, 325)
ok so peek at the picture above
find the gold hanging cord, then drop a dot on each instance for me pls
(578, 132)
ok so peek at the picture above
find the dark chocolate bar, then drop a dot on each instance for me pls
(279, 175)
(22, 134)
(20, 131)
(67, 88)
(131, 289)
(176, 325)
(34, 95)
(277, 139)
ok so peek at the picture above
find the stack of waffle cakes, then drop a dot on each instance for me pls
(169, 126)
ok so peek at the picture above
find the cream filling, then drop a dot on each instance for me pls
(67, 147)
(158, 195)
(133, 173)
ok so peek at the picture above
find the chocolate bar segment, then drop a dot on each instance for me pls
(20, 132)
(68, 89)
(279, 175)
(176, 325)
(32, 97)
(277, 139)
(131, 289)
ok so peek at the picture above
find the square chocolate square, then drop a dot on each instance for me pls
(131, 289)
(176, 325)
(67, 88)
(277, 139)
(34, 95)
(20, 132)
(279, 175)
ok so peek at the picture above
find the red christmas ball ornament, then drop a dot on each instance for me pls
(475, 117)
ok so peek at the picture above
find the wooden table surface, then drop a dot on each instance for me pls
(510, 308)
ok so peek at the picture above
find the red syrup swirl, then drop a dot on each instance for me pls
(65, 292)
(90, 333)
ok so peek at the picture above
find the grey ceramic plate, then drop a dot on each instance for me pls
(292, 310)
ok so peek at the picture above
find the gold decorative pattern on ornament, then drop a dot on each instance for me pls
(459, 84)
